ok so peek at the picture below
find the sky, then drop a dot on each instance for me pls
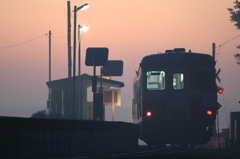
(130, 29)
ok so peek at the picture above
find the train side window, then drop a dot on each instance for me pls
(155, 80)
(178, 81)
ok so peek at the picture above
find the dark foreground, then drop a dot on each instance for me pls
(203, 153)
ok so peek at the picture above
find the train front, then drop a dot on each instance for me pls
(177, 98)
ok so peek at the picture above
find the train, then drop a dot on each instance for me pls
(175, 98)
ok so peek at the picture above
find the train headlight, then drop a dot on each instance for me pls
(149, 114)
(209, 112)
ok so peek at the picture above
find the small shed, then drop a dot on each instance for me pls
(60, 98)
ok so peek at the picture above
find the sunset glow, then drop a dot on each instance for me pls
(24, 45)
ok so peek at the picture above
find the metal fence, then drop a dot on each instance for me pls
(48, 138)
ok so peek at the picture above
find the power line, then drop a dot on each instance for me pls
(23, 42)
(59, 37)
(223, 98)
(228, 41)
(224, 104)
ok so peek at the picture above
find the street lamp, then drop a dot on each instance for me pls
(82, 7)
(80, 28)
(83, 28)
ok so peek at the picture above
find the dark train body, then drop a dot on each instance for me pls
(175, 98)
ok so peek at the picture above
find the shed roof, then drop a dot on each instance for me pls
(88, 78)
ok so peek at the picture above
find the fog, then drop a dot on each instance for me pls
(130, 29)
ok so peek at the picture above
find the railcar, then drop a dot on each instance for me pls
(175, 98)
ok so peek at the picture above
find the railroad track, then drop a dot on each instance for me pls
(172, 153)
(144, 152)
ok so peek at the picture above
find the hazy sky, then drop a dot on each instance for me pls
(130, 29)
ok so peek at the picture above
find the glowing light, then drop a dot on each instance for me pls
(83, 7)
(84, 28)
(220, 90)
(149, 114)
(209, 112)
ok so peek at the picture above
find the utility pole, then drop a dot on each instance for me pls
(69, 39)
(74, 57)
(49, 89)
(79, 50)
(213, 50)
(213, 54)
(69, 82)
(79, 75)
(50, 48)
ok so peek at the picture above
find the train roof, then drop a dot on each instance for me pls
(178, 57)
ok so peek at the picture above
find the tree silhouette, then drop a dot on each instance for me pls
(235, 18)
(40, 114)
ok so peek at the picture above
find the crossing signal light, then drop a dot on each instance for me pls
(220, 90)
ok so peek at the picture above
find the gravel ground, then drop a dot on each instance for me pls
(202, 153)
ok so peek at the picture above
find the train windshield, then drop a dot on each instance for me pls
(155, 80)
(178, 81)
(200, 79)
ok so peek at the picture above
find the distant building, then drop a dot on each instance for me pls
(61, 96)
(221, 140)
(234, 129)
(228, 136)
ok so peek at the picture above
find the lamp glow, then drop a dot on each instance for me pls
(82, 7)
(84, 28)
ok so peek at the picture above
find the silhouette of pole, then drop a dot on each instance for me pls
(79, 50)
(213, 50)
(74, 57)
(69, 39)
(49, 89)
(69, 82)
(213, 54)
(79, 74)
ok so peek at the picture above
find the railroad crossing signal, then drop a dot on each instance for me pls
(219, 105)
(220, 90)
(219, 70)
(96, 56)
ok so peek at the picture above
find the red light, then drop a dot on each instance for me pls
(220, 91)
(149, 114)
(209, 112)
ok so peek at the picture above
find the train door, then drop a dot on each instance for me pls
(136, 102)
(178, 94)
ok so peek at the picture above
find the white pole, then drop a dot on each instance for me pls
(112, 105)
(62, 103)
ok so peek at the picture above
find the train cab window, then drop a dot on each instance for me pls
(155, 80)
(178, 81)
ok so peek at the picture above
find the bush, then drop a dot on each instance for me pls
(42, 114)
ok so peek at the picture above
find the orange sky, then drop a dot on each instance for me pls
(130, 29)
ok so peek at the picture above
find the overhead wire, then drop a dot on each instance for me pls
(23, 42)
(228, 41)
(31, 41)
(224, 104)
(59, 37)
(223, 98)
